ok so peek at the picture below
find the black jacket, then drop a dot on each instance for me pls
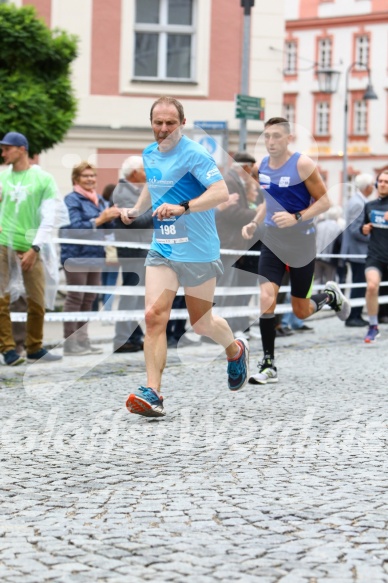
(231, 220)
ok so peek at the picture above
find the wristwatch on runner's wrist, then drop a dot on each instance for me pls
(298, 216)
(185, 204)
(36, 248)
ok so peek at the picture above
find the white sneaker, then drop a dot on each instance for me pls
(341, 304)
(267, 374)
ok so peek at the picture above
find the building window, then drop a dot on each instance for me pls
(322, 118)
(360, 119)
(324, 53)
(289, 112)
(362, 51)
(164, 40)
(290, 58)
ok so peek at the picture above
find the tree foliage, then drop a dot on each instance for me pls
(36, 96)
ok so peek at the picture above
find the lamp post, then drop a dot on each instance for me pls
(369, 94)
(328, 80)
(247, 5)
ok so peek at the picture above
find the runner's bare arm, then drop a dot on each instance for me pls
(249, 230)
(316, 187)
(213, 196)
(128, 215)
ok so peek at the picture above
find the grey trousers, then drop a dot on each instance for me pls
(79, 302)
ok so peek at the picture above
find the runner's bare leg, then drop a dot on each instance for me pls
(199, 302)
(161, 287)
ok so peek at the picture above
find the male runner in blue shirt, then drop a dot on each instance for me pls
(294, 194)
(183, 186)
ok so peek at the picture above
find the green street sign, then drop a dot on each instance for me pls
(249, 107)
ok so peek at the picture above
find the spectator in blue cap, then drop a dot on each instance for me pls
(15, 139)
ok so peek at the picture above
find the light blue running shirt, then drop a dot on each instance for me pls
(181, 174)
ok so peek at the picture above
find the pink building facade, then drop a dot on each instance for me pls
(131, 52)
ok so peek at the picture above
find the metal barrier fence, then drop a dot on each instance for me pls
(133, 315)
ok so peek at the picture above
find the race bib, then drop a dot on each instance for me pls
(171, 231)
(377, 219)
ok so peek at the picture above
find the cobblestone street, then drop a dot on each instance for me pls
(278, 483)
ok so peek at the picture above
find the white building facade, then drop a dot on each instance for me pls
(349, 36)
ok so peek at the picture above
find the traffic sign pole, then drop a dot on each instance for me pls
(247, 5)
(248, 107)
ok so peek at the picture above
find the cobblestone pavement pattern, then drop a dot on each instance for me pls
(279, 483)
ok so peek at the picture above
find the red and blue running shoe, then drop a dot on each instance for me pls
(238, 367)
(146, 401)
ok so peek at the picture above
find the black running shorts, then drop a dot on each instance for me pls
(372, 263)
(273, 269)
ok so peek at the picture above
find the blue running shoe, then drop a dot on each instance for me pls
(372, 335)
(238, 368)
(145, 401)
(12, 358)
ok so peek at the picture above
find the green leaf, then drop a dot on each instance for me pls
(36, 95)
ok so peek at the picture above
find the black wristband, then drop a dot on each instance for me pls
(186, 206)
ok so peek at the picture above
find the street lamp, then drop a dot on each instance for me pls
(369, 94)
(328, 80)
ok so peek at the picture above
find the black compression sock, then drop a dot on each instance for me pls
(268, 333)
(322, 299)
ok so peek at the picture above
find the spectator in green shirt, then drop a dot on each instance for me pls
(26, 221)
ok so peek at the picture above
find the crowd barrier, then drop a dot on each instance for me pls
(138, 315)
(146, 246)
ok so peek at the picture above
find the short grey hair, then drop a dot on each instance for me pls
(362, 181)
(131, 164)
